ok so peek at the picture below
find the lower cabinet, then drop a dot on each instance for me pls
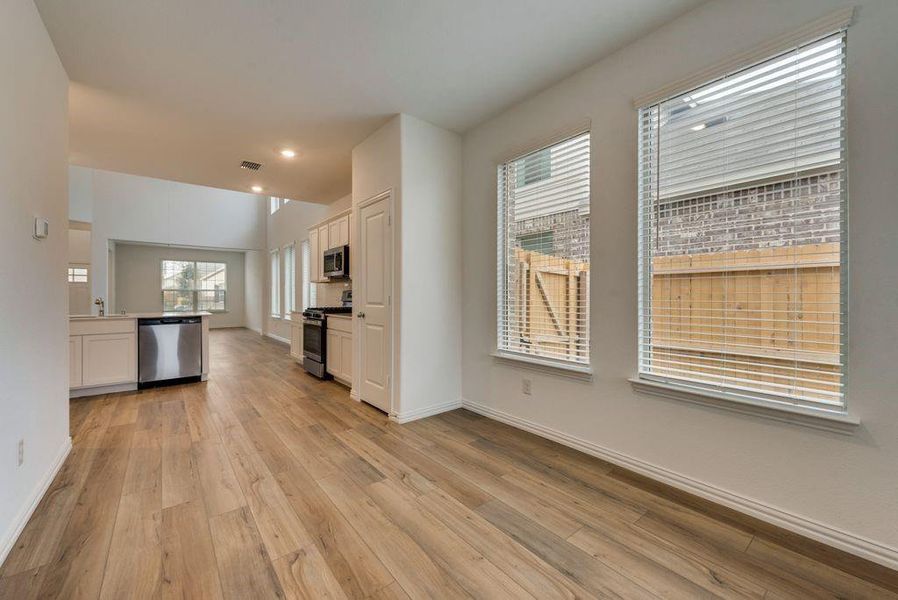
(296, 336)
(339, 349)
(108, 359)
(75, 361)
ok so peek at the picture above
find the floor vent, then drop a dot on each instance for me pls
(250, 165)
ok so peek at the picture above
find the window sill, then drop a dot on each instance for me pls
(534, 363)
(838, 422)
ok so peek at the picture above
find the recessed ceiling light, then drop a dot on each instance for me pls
(286, 153)
(257, 189)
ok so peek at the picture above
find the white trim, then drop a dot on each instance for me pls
(543, 365)
(829, 23)
(427, 411)
(853, 544)
(838, 422)
(278, 338)
(12, 535)
(257, 330)
(102, 389)
(354, 394)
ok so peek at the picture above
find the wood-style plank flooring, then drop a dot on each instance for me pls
(266, 483)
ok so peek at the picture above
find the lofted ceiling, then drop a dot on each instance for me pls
(187, 89)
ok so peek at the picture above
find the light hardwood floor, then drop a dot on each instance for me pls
(266, 483)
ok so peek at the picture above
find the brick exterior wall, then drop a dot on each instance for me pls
(785, 213)
(570, 233)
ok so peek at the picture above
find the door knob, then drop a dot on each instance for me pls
(361, 315)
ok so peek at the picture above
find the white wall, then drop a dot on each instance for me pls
(841, 483)
(421, 165)
(81, 193)
(430, 263)
(377, 168)
(138, 270)
(289, 225)
(142, 209)
(79, 246)
(34, 331)
(255, 265)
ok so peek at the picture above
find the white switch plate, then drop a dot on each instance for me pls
(41, 228)
(21, 453)
(526, 387)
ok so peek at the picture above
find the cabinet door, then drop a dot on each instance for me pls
(343, 228)
(74, 361)
(109, 359)
(333, 234)
(314, 251)
(346, 355)
(323, 244)
(296, 340)
(333, 353)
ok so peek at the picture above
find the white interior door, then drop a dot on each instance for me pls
(373, 303)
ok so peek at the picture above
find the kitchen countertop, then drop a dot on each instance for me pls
(148, 315)
(340, 316)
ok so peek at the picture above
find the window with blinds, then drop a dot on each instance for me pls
(543, 253)
(289, 279)
(308, 288)
(275, 278)
(194, 285)
(743, 222)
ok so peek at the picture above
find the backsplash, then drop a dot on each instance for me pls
(328, 294)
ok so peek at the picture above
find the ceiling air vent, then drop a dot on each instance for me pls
(250, 165)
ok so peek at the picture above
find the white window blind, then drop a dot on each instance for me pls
(77, 275)
(275, 276)
(742, 263)
(308, 288)
(289, 279)
(543, 253)
(194, 285)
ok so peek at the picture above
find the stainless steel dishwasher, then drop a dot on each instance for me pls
(169, 350)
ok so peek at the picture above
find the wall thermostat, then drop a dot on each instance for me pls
(41, 228)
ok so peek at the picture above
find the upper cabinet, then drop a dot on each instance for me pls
(330, 234)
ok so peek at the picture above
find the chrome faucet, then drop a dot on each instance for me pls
(99, 302)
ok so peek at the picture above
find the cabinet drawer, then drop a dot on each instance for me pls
(343, 324)
(91, 327)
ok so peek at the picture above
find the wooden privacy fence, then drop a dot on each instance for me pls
(765, 319)
(550, 312)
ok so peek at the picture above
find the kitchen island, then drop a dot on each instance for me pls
(103, 355)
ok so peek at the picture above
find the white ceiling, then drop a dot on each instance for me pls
(186, 89)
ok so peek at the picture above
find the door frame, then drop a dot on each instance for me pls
(356, 237)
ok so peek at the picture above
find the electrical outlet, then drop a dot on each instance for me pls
(21, 455)
(525, 387)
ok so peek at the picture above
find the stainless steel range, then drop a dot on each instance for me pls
(314, 335)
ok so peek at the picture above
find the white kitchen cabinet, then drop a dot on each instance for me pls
(296, 336)
(338, 232)
(339, 348)
(108, 359)
(323, 244)
(74, 361)
(314, 251)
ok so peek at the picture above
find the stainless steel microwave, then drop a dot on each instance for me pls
(336, 262)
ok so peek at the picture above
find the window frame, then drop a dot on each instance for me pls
(274, 274)
(567, 368)
(778, 406)
(289, 279)
(194, 291)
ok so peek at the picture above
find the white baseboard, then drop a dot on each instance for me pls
(12, 535)
(427, 411)
(354, 394)
(278, 338)
(257, 330)
(853, 544)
